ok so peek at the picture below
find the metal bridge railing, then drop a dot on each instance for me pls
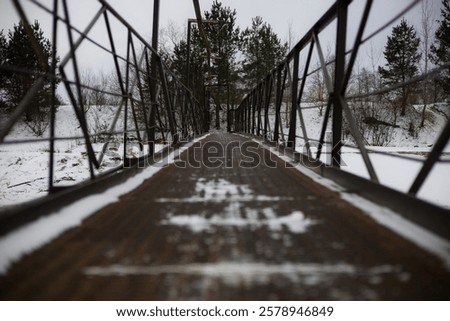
(151, 106)
(289, 80)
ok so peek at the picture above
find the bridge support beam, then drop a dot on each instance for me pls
(154, 62)
(294, 96)
(342, 10)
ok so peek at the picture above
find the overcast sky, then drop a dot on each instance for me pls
(300, 14)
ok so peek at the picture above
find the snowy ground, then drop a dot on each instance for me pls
(32, 236)
(24, 168)
(400, 173)
(393, 172)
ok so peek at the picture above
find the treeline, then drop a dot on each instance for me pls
(410, 54)
(237, 56)
(239, 59)
(398, 93)
(21, 67)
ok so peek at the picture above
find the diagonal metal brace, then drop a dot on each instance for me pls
(359, 139)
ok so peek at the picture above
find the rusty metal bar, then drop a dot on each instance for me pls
(432, 158)
(341, 37)
(51, 160)
(294, 95)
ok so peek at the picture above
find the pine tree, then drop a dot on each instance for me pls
(440, 52)
(197, 64)
(22, 55)
(262, 50)
(224, 41)
(401, 53)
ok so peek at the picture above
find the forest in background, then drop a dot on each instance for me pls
(241, 57)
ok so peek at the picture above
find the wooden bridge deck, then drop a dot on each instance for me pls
(228, 231)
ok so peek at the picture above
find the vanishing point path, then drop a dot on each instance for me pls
(228, 224)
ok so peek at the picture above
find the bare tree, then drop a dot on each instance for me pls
(374, 56)
(317, 90)
(170, 36)
(426, 33)
(292, 37)
(94, 88)
(87, 80)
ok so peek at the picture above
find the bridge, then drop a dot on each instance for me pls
(257, 211)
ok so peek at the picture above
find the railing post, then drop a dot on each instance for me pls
(152, 116)
(244, 116)
(277, 104)
(341, 36)
(249, 113)
(294, 95)
(169, 105)
(53, 102)
(254, 106)
(228, 108)
(238, 115)
(267, 97)
(246, 108)
(260, 95)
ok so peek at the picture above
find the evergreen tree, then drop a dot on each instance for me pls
(22, 54)
(224, 40)
(440, 52)
(197, 64)
(401, 53)
(262, 50)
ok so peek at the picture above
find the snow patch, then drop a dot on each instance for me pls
(236, 273)
(220, 187)
(221, 199)
(224, 269)
(399, 173)
(234, 213)
(221, 190)
(296, 222)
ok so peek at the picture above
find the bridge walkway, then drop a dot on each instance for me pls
(238, 225)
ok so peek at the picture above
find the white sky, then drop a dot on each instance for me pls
(301, 14)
